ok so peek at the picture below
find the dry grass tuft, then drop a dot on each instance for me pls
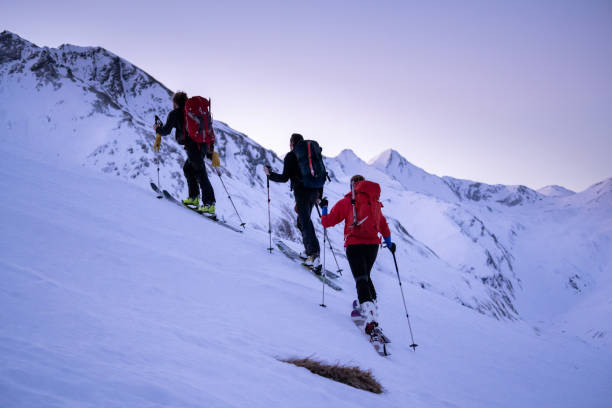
(353, 376)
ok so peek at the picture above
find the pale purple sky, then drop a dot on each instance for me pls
(512, 92)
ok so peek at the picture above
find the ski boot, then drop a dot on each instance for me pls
(192, 201)
(370, 312)
(207, 209)
(314, 263)
(371, 328)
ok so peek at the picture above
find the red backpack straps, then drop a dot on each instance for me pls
(312, 172)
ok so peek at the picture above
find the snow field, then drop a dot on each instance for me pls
(113, 298)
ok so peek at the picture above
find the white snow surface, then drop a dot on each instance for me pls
(113, 298)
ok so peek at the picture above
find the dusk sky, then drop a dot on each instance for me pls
(515, 92)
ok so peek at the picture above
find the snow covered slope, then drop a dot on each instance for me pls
(113, 298)
(482, 264)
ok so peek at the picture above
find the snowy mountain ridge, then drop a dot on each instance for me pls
(474, 240)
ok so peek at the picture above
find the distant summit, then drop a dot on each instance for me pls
(410, 176)
(555, 191)
(348, 154)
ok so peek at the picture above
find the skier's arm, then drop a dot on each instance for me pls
(337, 214)
(284, 177)
(383, 227)
(170, 124)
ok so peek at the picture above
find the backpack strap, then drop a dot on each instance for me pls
(356, 222)
(353, 204)
(312, 172)
(199, 119)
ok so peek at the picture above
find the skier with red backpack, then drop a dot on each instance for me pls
(193, 123)
(361, 212)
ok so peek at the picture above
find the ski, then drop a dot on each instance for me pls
(378, 340)
(157, 190)
(291, 254)
(169, 197)
(296, 257)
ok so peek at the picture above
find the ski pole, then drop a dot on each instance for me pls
(158, 184)
(269, 222)
(159, 123)
(413, 345)
(159, 195)
(331, 248)
(242, 224)
(323, 270)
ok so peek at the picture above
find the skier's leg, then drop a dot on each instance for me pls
(312, 199)
(370, 253)
(360, 260)
(208, 194)
(192, 183)
(358, 264)
(309, 238)
(297, 223)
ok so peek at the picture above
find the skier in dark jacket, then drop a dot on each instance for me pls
(361, 240)
(305, 199)
(194, 168)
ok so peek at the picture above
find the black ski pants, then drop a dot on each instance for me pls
(305, 199)
(361, 259)
(195, 172)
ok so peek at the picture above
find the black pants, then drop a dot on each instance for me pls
(195, 172)
(305, 199)
(361, 259)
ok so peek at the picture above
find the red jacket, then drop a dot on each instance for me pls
(343, 210)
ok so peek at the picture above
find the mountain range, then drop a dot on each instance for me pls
(513, 254)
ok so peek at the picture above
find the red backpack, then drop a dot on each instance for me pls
(198, 120)
(366, 209)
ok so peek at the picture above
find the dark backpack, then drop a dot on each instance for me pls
(198, 120)
(310, 162)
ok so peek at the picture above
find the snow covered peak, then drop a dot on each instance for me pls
(12, 46)
(388, 158)
(347, 155)
(555, 191)
(393, 163)
(411, 177)
(7, 36)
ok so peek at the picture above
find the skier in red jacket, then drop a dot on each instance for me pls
(363, 221)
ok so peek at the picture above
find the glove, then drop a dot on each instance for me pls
(390, 245)
(323, 203)
(267, 170)
(215, 160)
(157, 144)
